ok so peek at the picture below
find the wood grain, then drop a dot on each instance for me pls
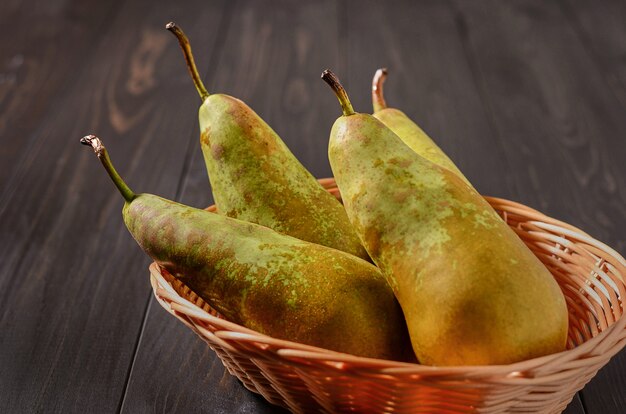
(600, 28)
(38, 65)
(73, 286)
(561, 123)
(272, 61)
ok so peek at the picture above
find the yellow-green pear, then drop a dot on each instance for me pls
(472, 293)
(254, 177)
(406, 129)
(275, 284)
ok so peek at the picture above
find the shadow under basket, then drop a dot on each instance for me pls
(303, 378)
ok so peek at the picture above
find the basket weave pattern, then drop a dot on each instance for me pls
(309, 379)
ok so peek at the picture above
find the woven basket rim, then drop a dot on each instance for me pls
(297, 353)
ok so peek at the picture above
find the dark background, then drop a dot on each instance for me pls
(528, 97)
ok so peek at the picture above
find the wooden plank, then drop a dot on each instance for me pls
(272, 58)
(600, 28)
(564, 128)
(73, 283)
(39, 54)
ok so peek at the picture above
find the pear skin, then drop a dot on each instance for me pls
(255, 177)
(275, 284)
(408, 131)
(472, 293)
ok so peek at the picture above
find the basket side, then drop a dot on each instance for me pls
(250, 360)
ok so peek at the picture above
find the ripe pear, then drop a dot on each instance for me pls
(275, 284)
(408, 131)
(472, 293)
(254, 176)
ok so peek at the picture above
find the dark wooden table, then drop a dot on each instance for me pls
(527, 96)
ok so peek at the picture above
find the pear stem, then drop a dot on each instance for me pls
(191, 64)
(103, 155)
(378, 100)
(333, 81)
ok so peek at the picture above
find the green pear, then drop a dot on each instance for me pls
(471, 291)
(275, 284)
(408, 131)
(255, 178)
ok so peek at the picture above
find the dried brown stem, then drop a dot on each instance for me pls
(333, 81)
(191, 64)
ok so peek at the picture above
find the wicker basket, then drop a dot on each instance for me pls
(307, 379)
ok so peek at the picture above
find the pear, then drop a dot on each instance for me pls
(472, 293)
(254, 176)
(275, 284)
(406, 129)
